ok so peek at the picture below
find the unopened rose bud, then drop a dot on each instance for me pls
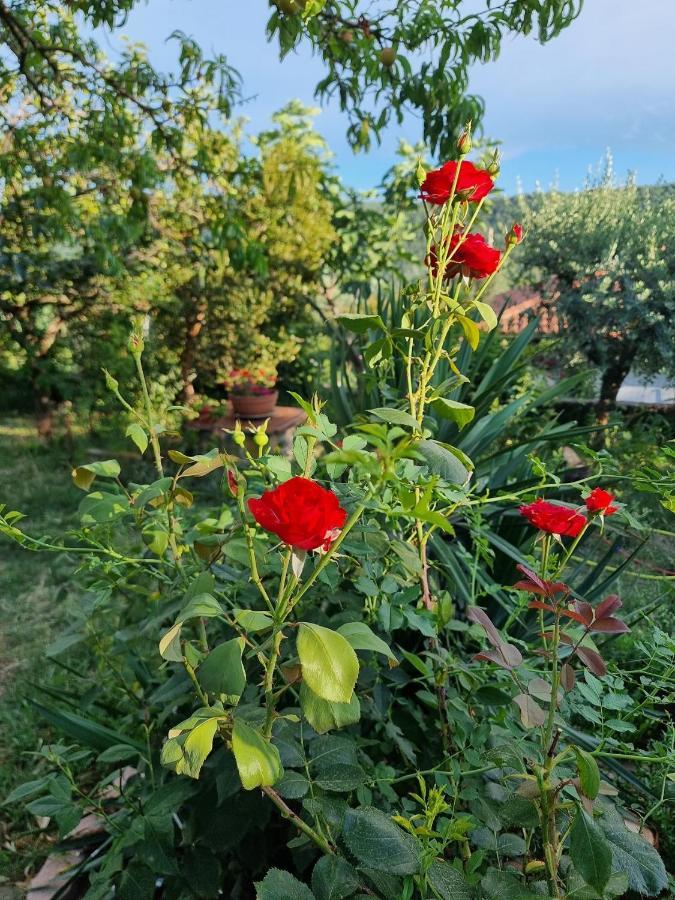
(260, 439)
(493, 168)
(421, 173)
(238, 435)
(136, 344)
(464, 142)
(111, 383)
(232, 483)
(515, 235)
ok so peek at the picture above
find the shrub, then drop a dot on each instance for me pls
(284, 672)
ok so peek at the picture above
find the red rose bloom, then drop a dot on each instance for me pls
(472, 182)
(553, 518)
(301, 513)
(468, 254)
(599, 501)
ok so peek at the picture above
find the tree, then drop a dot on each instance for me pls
(384, 60)
(381, 62)
(605, 256)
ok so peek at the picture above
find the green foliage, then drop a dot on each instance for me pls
(412, 55)
(604, 258)
(354, 710)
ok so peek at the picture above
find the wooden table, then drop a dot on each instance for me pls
(280, 428)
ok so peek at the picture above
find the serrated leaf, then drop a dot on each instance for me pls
(589, 850)
(451, 464)
(334, 878)
(378, 843)
(632, 855)
(330, 666)
(447, 882)
(280, 885)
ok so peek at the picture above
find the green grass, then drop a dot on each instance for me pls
(34, 599)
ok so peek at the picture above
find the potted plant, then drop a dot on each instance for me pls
(252, 392)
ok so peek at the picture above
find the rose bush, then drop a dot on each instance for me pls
(332, 724)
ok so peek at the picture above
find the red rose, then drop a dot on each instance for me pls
(515, 235)
(469, 254)
(301, 513)
(472, 183)
(599, 501)
(553, 518)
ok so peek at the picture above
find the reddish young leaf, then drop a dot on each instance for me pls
(478, 615)
(567, 677)
(537, 604)
(531, 588)
(608, 606)
(531, 714)
(570, 613)
(592, 660)
(585, 610)
(610, 625)
(537, 585)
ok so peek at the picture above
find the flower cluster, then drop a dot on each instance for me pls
(251, 381)
(466, 253)
(563, 521)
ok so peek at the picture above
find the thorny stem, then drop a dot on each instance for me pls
(299, 823)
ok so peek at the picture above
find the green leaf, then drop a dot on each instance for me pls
(138, 436)
(324, 715)
(460, 413)
(471, 331)
(84, 476)
(101, 506)
(333, 878)
(85, 731)
(201, 606)
(589, 774)
(377, 842)
(117, 753)
(360, 324)
(487, 313)
(589, 851)
(329, 665)
(632, 855)
(169, 644)
(27, 789)
(257, 759)
(448, 883)
(251, 620)
(395, 417)
(442, 459)
(222, 672)
(138, 883)
(280, 885)
(341, 778)
(197, 746)
(361, 637)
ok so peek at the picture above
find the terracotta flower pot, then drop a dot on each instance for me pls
(254, 406)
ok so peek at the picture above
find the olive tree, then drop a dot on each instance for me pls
(605, 257)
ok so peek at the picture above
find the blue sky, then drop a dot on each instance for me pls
(607, 81)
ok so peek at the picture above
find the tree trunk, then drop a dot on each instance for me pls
(195, 315)
(612, 379)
